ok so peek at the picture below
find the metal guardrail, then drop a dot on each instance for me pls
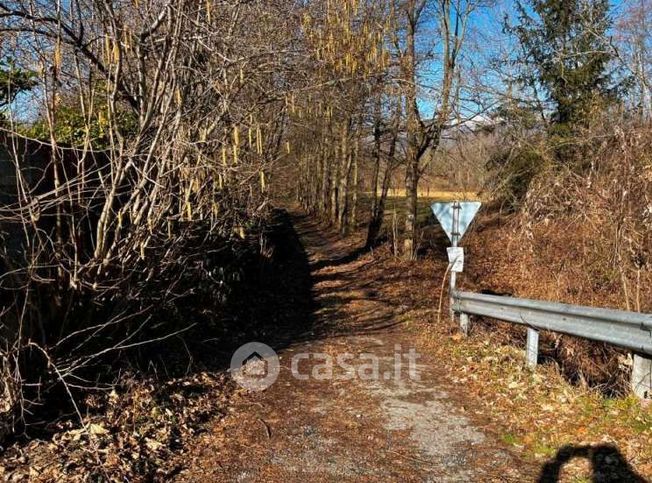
(629, 330)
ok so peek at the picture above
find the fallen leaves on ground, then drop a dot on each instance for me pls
(537, 412)
(542, 412)
(137, 433)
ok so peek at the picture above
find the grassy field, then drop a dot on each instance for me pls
(438, 195)
(395, 206)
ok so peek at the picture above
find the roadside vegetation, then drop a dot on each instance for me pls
(136, 146)
(145, 145)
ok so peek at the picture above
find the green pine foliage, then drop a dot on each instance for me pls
(13, 81)
(567, 55)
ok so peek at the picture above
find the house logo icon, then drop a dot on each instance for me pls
(255, 366)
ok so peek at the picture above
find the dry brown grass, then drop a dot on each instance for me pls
(581, 239)
(439, 194)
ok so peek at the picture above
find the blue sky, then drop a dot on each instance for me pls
(486, 42)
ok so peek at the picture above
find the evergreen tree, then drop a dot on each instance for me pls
(566, 54)
(13, 81)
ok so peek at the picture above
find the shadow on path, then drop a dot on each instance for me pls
(607, 464)
(343, 260)
(276, 305)
(273, 304)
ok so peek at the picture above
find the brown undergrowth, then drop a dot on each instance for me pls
(550, 262)
(582, 234)
(139, 428)
(135, 432)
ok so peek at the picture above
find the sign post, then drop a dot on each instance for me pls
(455, 240)
(455, 218)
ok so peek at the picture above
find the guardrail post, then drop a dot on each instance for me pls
(532, 352)
(464, 323)
(642, 376)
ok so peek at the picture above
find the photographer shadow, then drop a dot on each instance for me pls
(607, 464)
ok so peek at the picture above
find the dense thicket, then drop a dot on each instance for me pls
(135, 173)
(572, 166)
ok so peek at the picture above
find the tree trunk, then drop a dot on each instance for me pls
(354, 196)
(412, 165)
(325, 178)
(411, 197)
(335, 176)
(344, 180)
(376, 153)
(378, 209)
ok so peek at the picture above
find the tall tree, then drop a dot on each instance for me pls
(567, 54)
(452, 17)
(349, 68)
(635, 46)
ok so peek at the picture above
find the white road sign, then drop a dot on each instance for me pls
(444, 212)
(456, 259)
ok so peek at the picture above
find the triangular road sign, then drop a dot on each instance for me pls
(444, 212)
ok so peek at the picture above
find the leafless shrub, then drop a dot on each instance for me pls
(180, 117)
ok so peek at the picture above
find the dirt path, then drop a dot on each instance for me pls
(347, 429)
